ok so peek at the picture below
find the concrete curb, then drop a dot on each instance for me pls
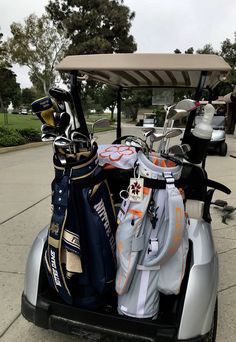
(23, 147)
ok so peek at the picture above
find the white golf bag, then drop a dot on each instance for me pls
(151, 240)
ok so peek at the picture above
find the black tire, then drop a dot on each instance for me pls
(223, 149)
(211, 337)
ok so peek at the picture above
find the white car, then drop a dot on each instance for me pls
(24, 111)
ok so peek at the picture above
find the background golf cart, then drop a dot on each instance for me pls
(190, 316)
(217, 144)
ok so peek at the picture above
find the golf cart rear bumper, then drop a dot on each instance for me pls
(74, 321)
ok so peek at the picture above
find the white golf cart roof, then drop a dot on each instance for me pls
(148, 69)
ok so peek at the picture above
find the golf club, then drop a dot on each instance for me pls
(171, 134)
(48, 137)
(98, 123)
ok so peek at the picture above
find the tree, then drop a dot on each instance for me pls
(228, 52)
(189, 51)
(28, 95)
(177, 51)
(94, 26)
(207, 49)
(38, 45)
(136, 99)
(107, 97)
(9, 88)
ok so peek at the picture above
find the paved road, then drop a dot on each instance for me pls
(25, 178)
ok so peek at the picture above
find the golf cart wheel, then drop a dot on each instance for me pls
(223, 149)
(211, 337)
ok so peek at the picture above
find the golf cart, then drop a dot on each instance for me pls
(191, 313)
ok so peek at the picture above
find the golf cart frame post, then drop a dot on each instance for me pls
(145, 71)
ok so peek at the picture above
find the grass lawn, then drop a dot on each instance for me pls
(19, 121)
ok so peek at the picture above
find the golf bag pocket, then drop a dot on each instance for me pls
(129, 242)
(142, 299)
(171, 273)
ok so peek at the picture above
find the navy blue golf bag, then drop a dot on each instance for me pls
(80, 252)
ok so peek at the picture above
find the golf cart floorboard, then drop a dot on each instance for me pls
(58, 316)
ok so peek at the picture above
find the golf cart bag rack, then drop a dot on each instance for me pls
(44, 307)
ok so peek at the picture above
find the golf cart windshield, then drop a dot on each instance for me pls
(144, 70)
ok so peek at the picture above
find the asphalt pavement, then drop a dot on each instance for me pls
(25, 179)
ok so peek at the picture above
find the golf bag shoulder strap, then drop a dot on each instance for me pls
(218, 186)
(55, 234)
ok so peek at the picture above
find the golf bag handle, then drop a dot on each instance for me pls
(218, 186)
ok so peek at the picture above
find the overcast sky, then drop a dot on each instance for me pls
(159, 25)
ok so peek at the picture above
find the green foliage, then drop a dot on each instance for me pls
(189, 51)
(107, 97)
(134, 100)
(177, 51)
(9, 88)
(28, 95)
(228, 52)
(4, 63)
(208, 50)
(94, 26)
(38, 45)
(30, 134)
(10, 137)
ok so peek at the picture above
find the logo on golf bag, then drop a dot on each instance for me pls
(101, 210)
(54, 228)
(54, 268)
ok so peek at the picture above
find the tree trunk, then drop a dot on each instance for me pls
(45, 88)
(2, 109)
(112, 108)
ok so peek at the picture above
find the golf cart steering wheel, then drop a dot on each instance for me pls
(123, 137)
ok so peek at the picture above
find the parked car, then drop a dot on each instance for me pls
(24, 111)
